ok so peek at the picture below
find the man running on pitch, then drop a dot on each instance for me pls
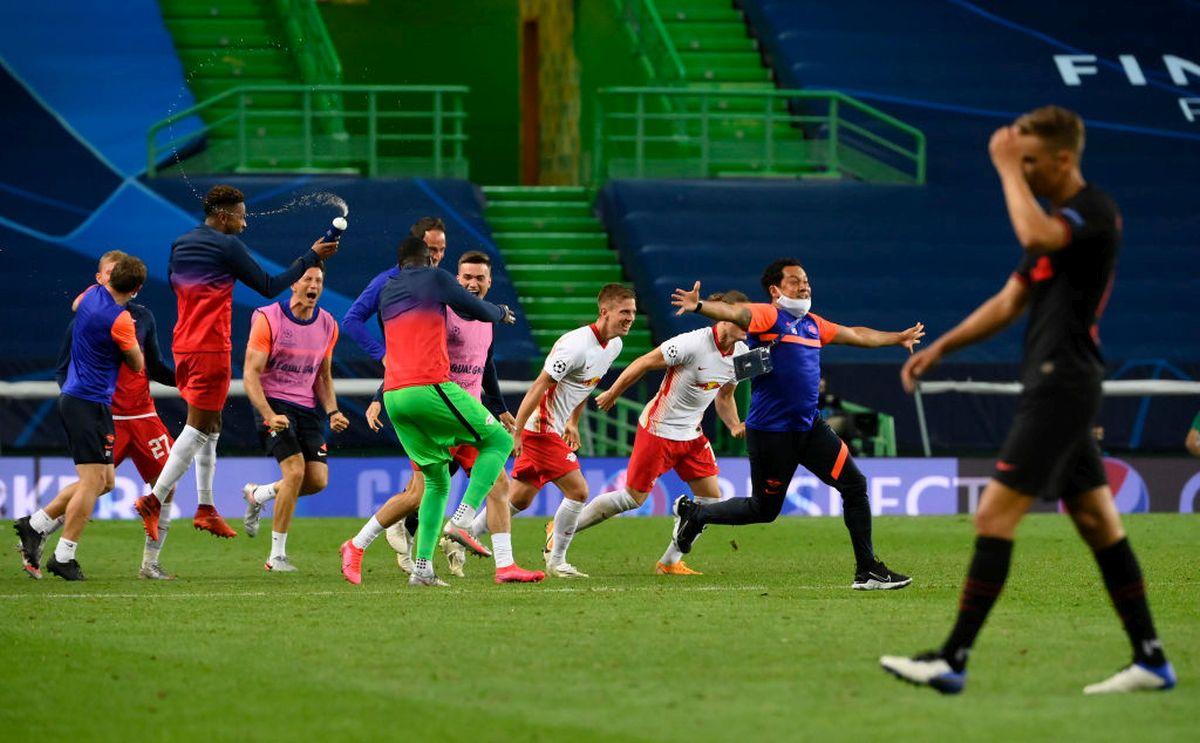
(548, 420)
(784, 428)
(204, 265)
(429, 412)
(1064, 279)
(288, 372)
(699, 366)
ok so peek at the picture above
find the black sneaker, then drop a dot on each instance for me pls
(68, 570)
(31, 542)
(879, 578)
(686, 528)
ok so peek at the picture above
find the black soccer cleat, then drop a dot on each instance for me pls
(68, 570)
(31, 542)
(686, 526)
(879, 578)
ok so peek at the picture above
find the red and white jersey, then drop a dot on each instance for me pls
(577, 363)
(696, 370)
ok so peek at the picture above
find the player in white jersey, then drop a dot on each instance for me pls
(699, 371)
(548, 419)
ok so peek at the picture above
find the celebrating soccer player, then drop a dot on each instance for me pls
(784, 428)
(1064, 278)
(548, 420)
(429, 412)
(699, 367)
(288, 371)
(204, 265)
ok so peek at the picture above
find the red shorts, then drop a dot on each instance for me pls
(203, 378)
(464, 455)
(145, 441)
(654, 455)
(545, 457)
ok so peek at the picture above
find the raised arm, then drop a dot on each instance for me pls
(466, 304)
(243, 266)
(994, 315)
(651, 360)
(689, 301)
(1036, 230)
(869, 338)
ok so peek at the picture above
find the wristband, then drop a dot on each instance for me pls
(698, 306)
(332, 413)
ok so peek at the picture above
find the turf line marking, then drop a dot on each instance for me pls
(393, 591)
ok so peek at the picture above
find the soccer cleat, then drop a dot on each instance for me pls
(31, 545)
(516, 574)
(33, 572)
(154, 571)
(464, 537)
(148, 507)
(351, 562)
(279, 565)
(456, 556)
(675, 568)
(927, 669)
(426, 579)
(564, 570)
(879, 578)
(548, 547)
(253, 510)
(401, 541)
(68, 570)
(207, 519)
(686, 529)
(1136, 677)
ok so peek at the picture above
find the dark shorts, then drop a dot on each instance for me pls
(1050, 451)
(89, 425)
(305, 433)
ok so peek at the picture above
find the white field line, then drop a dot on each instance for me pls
(391, 592)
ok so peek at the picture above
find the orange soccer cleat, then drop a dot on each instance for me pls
(148, 507)
(207, 519)
(516, 574)
(351, 562)
(675, 568)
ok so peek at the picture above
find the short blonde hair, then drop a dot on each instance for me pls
(111, 256)
(1060, 128)
(614, 293)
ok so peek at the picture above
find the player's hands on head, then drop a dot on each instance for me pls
(686, 301)
(606, 400)
(339, 422)
(1005, 146)
(571, 436)
(917, 366)
(911, 337)
(373, 411)
(508, 421)
(277, 422)
(324, 249)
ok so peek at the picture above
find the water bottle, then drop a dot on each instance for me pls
(334, 233)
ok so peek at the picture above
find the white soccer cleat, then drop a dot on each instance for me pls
(253, 509)
(564, 570)
(426, 579)
(280, 565)
(926, 669)
(1135, 677)
(401, 542)
(456, 556)
(154, 571)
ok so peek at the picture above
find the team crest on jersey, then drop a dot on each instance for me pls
(490, 420)
(708, 385)
(560, 366)
(672, 351)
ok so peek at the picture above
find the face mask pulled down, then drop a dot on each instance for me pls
(798, 307)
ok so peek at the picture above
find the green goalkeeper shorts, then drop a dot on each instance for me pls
(431, 418)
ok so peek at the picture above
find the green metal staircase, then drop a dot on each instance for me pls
(557, 254)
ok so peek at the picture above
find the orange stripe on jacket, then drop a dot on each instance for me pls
(841, 461)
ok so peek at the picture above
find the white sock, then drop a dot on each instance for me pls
(605, 506)
(502, 550)
(56, 525)
(367, 534)
(479, 526)
(706, 501)
(422, 566)
(206, 467)
(190, 442)
(565, 519)
(463, 516)
(279, 544)
(672, 555)
(65, 550)
(152, 548)
(264, 493)
(41, 522)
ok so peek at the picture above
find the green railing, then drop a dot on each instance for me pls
(309, 41)
(377, 130)
(655, 48)
(609, 434)
(698, 134)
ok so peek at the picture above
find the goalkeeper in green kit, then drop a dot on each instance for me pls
(429, 412)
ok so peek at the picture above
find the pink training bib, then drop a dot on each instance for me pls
(297, 349)
(467, 343)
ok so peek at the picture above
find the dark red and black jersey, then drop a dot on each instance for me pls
(1069, 289)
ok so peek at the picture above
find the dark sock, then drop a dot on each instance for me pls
(985, 580)
(1123, 579)
(856, 514)
(410, 524)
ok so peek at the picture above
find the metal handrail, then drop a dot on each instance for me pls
(837, 126)
(447, 118)
(311, 41)
(611, 433)
(629, 9)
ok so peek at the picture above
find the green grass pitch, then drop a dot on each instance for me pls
(770, 644)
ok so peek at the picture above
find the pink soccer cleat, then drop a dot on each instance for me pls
(351, 562)
(463, 537)
(516, 574)
(149, 507)
(207, 519)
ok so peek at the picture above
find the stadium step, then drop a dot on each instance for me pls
(557, 253)
(237, 33)
(217, 8)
